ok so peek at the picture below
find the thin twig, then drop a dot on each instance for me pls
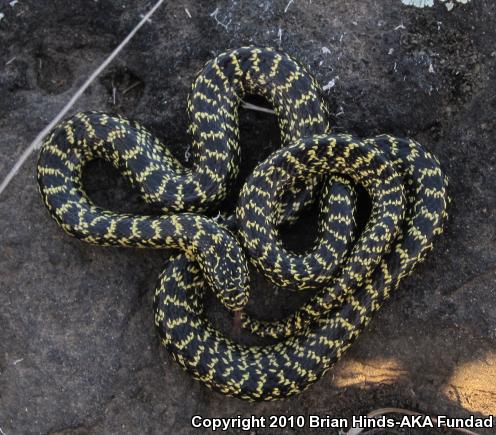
(114, 92)
(250, 106)
(131, 87)
(37, 141)
(214, 16)
(288, 5)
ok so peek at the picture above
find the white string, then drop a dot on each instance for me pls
(37, 141)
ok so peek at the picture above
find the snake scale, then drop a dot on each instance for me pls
(352, 272)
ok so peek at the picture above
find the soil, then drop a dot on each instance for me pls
(78, 350)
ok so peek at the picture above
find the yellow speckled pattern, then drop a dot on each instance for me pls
(352, 277)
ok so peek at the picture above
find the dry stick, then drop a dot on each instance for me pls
(246, 105)
(129, 88)
(379, 412)
(288, 5)
(37, 141)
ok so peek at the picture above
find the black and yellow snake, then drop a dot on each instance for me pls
(405, 183)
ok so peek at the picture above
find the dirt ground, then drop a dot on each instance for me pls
(78, 349)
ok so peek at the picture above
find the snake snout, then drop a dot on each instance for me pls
(235, 295)
(226, 270)
(235, 278)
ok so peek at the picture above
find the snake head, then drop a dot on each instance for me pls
(225, 268)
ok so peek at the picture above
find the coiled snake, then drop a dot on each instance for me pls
(353, 278)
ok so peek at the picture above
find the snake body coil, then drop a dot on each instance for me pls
(404, 182)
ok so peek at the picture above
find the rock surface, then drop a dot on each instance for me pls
(78, 349)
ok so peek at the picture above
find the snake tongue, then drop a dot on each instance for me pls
(236, 323)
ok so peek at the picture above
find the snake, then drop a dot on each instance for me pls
(351, 271)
